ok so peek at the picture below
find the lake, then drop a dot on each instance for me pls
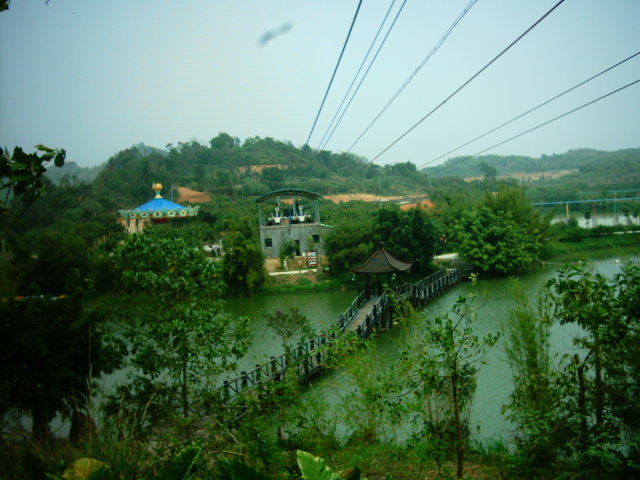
(493, 301)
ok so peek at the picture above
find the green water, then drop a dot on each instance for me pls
(493, 301)
(322, 310)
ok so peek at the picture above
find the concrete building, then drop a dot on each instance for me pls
(290, 214)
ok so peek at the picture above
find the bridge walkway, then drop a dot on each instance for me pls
(360, 317)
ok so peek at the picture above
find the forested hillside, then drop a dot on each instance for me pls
(584, 160)
(249, 169)
(230, 168)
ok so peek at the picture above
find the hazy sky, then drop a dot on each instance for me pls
(95, 77)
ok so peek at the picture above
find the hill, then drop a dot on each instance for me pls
(73, 172)
(583, 160)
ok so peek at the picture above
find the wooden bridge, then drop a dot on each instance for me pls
(362, 317)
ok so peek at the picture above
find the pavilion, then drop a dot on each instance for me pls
(157, 210)
(380, 262)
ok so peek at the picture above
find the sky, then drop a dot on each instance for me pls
(95, 77)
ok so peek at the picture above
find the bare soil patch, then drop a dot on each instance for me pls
(531, 176)
(259, 168)
(365, 197)
(187, 195)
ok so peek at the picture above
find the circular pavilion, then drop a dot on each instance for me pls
(157, 210)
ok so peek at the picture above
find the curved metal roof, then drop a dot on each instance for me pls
(291, 192)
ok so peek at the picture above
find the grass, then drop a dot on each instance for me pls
(584, 249)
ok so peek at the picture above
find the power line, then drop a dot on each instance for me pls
(364, 60)
(449, 165)
(415, 72)
(367, 71)
(468, 81)
(344, 46)
(531, 110)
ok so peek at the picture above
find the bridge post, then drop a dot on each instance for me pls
(225, 392)
(274, 369)
(243, 382)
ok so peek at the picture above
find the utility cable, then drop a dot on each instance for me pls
(449, 165)
(468, 81)
(530, 110)
(415, 72)
(355, 77)
(365, 74)
(344, 46)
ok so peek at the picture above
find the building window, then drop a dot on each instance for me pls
(268, 242)
(316, 238)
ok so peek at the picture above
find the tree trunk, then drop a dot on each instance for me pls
(456, 413)
(599, 386)
(40, 427)
(582, 402)
(185, 391)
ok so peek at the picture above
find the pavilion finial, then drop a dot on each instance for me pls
(156, 187)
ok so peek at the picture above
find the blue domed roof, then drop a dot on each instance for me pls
(159, 203)
(159, 209)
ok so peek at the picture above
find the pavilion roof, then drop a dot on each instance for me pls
(159, 208)
(382, 262)
(159, 204)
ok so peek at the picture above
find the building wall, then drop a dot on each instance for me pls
(299, 231)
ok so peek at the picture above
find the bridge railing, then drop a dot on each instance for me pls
(308, 356)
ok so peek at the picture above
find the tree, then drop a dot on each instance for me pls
(448, 359)
(181, 340)
(587, 423)
(21, 176)
(50, 352)
(409, 235)
(534, 402)
(52, 262)
(488, 172)
(287, 325)
(349, 244)
(502, 234)
(243, 261)
(287, 251)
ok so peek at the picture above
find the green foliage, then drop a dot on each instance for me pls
(52, 262)
(314, 468)
(50, 351)
(533, 402)
(180, 346)
(182, 465)
(503, 234)
(409, 235)
(444, 376)
(243, 262)
(582, 418)
(85, 469)
(288, 324)
(287, 251)
(348, 245)
(21, 176)
(233, 469)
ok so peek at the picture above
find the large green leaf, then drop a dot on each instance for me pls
(314, 468)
